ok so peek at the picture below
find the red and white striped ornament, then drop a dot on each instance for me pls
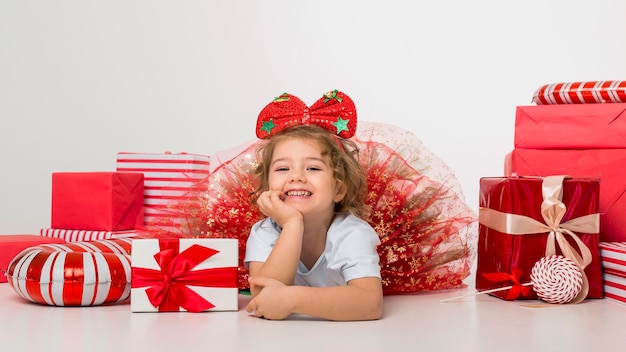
(586, 92)
(73, 274)
(556, 279)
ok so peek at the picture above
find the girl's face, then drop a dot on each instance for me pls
(304, 176)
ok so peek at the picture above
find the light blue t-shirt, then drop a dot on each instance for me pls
(350, 252)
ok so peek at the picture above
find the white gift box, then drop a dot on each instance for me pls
(168, 179)
(219, 291)
(70, 235)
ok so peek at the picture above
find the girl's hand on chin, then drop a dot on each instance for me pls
(271, 203)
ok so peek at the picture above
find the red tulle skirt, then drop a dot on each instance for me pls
(426, 229)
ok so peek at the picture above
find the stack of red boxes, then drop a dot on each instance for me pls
(170, 181)
(88, 206)
(567, 137)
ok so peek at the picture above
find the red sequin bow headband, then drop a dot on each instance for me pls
(334, 112)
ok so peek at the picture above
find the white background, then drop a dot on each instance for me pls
(83, 80)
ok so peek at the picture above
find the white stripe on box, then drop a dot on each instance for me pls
(172, 193)
(171, 175)
(172, 183)
(123, 156)
(611, 289)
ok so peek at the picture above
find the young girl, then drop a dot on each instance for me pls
(313, 254)
(315, 251)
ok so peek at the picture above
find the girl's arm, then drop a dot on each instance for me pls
(282, 262)
(361, 299)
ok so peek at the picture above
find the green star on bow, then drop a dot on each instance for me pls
(268, 126)
(341, 125)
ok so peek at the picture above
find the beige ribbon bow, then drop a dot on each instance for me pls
(552, 210)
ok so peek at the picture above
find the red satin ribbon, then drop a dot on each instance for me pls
(168, 287)
(516, 289)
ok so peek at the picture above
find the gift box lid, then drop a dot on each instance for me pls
(571, 126)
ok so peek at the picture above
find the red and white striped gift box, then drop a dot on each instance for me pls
(613, 259)
(587, 92)
(85, 235)
(615, 285)
(168, 179)
(613, 256)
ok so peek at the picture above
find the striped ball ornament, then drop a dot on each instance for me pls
(556, 279)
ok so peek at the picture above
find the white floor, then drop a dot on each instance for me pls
(418, 322)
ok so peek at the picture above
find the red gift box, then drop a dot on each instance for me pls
(12, 245)
(578, 126)
(604, 164)
(507, 243)
(105, 201)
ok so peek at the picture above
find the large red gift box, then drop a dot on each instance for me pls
(187, 274)
(12, 245)
(104, 201)
(507, 243)
(581, 141)
(169, 181)
(571, 126)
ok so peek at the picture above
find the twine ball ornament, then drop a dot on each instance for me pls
(556, 279)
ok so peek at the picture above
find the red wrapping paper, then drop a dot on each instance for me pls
(604, 164)
(578, 126)
(501, 253)
(104, 201)
(12, 245)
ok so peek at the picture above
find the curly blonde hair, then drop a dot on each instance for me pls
(343, 158)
